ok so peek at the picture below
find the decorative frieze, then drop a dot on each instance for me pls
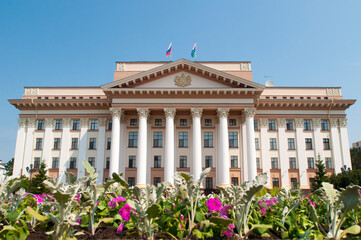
(116, 112)
(120, 66)
(84, 122)
(182, 80)
(334, 122)
(333, 91)
(196, 112)
(31, 122)
(143, 112)
(223, 112)
(316, 122)
(249, 112)
(66, 122)
(343, 122)
(169, 112)
(245, 66)
(22, 122)
(299, 122)
(31, 91)
(49, 122)
(281, 122)
(102, 122)
(263, 122)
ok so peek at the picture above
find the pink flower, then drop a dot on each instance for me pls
(214, 204)
(312, 204)
(223, 213)
(181, 217)
(119, 199)
(112, 204)
(39, 198)
(229, 231)
(263, 211)
(181, 226)
(78, 199)
(120, 228)
(78, 221)
(125, 212)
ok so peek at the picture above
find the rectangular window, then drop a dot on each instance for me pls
(306, 124)
(273, 143)
(56, 143)
(156, 181)
(255, 122)
(312, 181)
(74, 143)
(132, 162)
(308, 143)
(158, 122)
(107, 163)
(76, 125)
(208, 139)
(234, 161)
(110, 124)
(109, 143)
(291, 144)
(232, 122)
(208, 122)
(275, 182)
(294, 183)
(292, 163)
(133, 122)
(157, 139)
(209, 163)
(41, 124)
(91, 161)
(133, 139)
(131, 181)
(182, 161)
(326, 144)
(234, 181)
(92, 143)
(39, 143)
(55, 162)
(36, 162)
(58, 124)
(209, 183)
(72, 163)
(183, 139)
(310, 162)
(274, 163)
(258, 163)
(324, 125)
(289, 125)
(157, 162)
(183, 122)
(233, 139)
(94, 125)
(328, 162)
(271, 124)
(256, 141)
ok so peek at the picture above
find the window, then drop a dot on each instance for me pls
(308, 143)
(208, 122)
(256, 143)
(94, 125)
(110, 124)
(294, 183)
(36, 162)
(156, 181)
(289, 125)
(55, 163)
(74, 143)
(234, 181)
(107, 163)
(274, 163)
(275, 182)
(311, 162)
(209, 183)
(157, 162)
(312, 181)
(292, 163)
(255, 124)
(234, 161)
(183, 122)
(271, 124)
(56, 143)
(183, 139)
(157, 139)
(208, 139)
(233, 139)
(182, 161)
(291, 144)
(41, 124)
(133, 139)
(326, 144)
(132, 162)
(131, 181)
(306, 124)
(232, 122)
(76, 124)
(109, 143)
(273, 143)
(58, 124)
(324, 125)
(328, 162)
(209, 162)
(158, 122)
(133, 122)
(258, 163)
(39, 143)
(92, 143)
(91, 161)
(72, 162)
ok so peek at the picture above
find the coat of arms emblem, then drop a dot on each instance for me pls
(182, 80)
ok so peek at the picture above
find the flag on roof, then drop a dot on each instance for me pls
(193, 53)
(169, 50)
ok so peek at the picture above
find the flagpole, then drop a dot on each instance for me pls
(195, 57)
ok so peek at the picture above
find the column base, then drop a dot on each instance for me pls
(140, 185)
(225, 185)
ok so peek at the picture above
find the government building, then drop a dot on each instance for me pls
(156, 118)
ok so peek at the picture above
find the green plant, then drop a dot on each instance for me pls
(321, 174)
(37, 186)
(9, 167)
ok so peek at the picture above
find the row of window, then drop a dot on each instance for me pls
(293, 163)
(74, 143)
(291, 143)
(290, 125)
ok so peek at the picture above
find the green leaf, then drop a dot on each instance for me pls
(350, 198)
(9, 228)
(198, 233)
(220, 221)
(284, 235)
(106, 220)
(331, 193)
(199, 217)
(306, 235)
(263, 226)
(89, 169)
(355, 229)
(35, 214)
(154, 211)
(131, 203)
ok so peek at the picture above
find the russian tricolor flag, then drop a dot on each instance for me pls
(169, 50)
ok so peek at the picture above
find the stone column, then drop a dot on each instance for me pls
(265, 146)
(244, 156)
(64, 152)
(282, 151)
(251, 146)
(197, 142)
(143, 114)
(83, 141)
(169, 145)
(336, 150)
(300, 148)
(345, 145)
(47, 142)
(101, 150)
(223, 147)
(114, 151)
(317, 137)
(29, 145)
(19, 149)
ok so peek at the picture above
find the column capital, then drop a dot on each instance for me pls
(102, 122)
(66, 122)
(116, 112)
(316, 122)
(143, 112)
(196, 112)
(49, 122)
(223, 112)
(84, 122)
(334, 122)
(263, 122)
(22, 122)
(343, 122)
(299, 122)
(169, 112)
(281, 122)
(31, 122)
(249, 112)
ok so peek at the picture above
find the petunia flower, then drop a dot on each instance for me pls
(78, 221)
(223, 213)
(312, 204)
(125, 212)
(229, 231)
(214, 204)
(120, 228)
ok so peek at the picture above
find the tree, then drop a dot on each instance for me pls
(9, 167)
(36, 184)
(355, 158)
(321, 174)
(346, 177)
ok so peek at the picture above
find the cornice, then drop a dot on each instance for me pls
(330, 104)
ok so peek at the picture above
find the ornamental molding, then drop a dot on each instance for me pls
(299, 122)
(263, 122)
(22, 122)
(116, 112)
(245, 66)
(243, 119)
(84, 122)
(120, 66)
(316, 122)
(66, 122)
(223, 112)
(333, 91)
(343, 122)
(182, 80)
(249, 112)
(31, 122)
(334, 122)
(49, 122)
(169, 112)
(281, 122)
(196, 112)
(143, 112)
(102, 122)
(31, 91)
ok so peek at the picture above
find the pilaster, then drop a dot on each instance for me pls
(143, 114)
(83, 140)
(300, 148)
(169, 168)
(345, 143)
(64, 152)
(100, 151)
(19, 148)
(29, 144)
(223, 146)
(282, 152)
(197, 142)
(251, 146)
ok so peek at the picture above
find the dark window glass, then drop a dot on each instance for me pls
(132, 162)
(183, 122)
(41, 124)
(273, 143)
(209, 183)
(109, 143)
(107, 163)
(183, 161)
(328, 162)
(274, 163)
(255, 124)
(208, 139)
(157, 162)
(258, 163)
(56, 143)
(209, 163)
(156, 181)
(310, 162)
(234, 181)
(39, 143)
(289, 124)
(233, 139)
(324, 125)
(291, 144)
(36, 163)
(131, 181)
(74, 143)
(76, 124)
(91, 161)
(232, 122)
(208, 122)
(94, 125)
(72, 163)
(256, 143)
(292, 163)
(234, 161)
(58, 124)
(110, 124)
(326, 144)
(92, 143)
(271, 124)
(158, 122)
(275, 182)
(294, 183)
(157, 139)
(133, 122)
(308, 143)
(55, 162)
(133, 139)
(307, 124)
(183, 139)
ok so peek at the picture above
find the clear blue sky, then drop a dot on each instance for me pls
(67, 43)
